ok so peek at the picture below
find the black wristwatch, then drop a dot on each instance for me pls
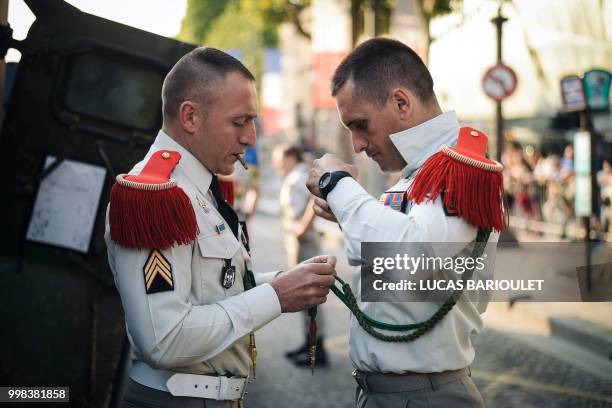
(328, 181)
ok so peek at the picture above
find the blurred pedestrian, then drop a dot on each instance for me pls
(567, 162)
(517, 180)
(301, 239)
(604, 180)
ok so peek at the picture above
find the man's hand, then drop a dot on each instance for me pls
(306, 285)
(321, 208)
(328, 162)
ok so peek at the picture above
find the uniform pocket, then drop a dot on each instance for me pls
(215, 249)
(217, 243)
(383, 400)
(222, 246)
(216, 239)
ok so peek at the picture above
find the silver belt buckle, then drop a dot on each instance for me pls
(360, 380)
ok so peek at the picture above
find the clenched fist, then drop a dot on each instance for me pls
(306, 285)
(329, 162)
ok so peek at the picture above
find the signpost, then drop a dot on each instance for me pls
(584, 94)
(499, 82)
(582, 171)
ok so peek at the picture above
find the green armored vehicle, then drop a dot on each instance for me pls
(84, 105)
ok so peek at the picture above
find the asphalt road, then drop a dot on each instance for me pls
(508, 370)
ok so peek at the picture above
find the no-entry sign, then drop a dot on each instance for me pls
(499, 82)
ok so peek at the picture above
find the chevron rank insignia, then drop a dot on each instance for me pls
(397, 200)
(157, 273)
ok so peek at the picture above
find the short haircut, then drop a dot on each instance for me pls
(378, 65)
(195, 76)
(295, 152)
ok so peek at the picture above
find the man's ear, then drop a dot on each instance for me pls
(403, 102)
(189, 116)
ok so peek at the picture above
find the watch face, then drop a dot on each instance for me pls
(325, 179)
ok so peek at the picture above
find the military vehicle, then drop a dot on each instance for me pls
(84, 106)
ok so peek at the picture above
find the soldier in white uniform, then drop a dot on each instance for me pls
(384, 94)
(178, 253)
(302, 241)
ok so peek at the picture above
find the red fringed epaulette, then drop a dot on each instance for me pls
(149, 210)
(471, 185)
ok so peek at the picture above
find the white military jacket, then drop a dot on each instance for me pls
(364, 219)
(199, 327)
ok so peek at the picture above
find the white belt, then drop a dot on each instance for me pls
(189, 385)
(207, 386)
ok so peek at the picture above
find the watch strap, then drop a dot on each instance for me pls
(335, 177)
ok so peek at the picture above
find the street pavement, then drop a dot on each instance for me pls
(511, 369)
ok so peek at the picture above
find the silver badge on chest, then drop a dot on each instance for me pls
(228, 274)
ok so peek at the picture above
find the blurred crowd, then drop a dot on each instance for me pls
(541, 187)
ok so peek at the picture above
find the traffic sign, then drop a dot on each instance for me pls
(499, 82)
(572, 94)
(597, 88)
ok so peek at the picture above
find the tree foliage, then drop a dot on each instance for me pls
(431, 9)
(202, 18)
(244, 26)
(381, 12)
(252, 25)
(200, 15)
(275, 12)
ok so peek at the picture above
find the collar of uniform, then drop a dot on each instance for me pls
(191, 167)
(418, 143)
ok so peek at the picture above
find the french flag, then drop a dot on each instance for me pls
(272, 93)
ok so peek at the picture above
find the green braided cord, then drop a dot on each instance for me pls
(346, 296)
(370, 325)
(248, 279)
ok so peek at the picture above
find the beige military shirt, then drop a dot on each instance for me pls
(199, 326)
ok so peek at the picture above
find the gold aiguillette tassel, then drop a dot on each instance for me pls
(253, 353)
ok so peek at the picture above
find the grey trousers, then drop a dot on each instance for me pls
(457, 394)
(139, 396)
